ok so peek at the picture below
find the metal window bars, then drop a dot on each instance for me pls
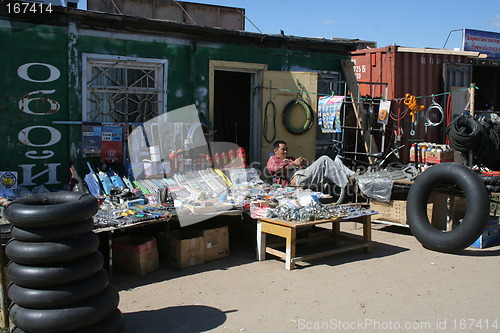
(123, 90)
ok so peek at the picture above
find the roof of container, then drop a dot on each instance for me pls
(396, 48)
(85, 19)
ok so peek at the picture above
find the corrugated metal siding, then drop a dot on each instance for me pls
(406, 72)
(457, 75)
(417, 73)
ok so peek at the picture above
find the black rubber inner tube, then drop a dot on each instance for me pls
(287, 114)
(50, 253)
(52, 234)
(80, 315)
(111, 324)
(58, 296)
(476, 216)
(48, 276)
(53, 209)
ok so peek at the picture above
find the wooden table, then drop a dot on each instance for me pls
(288, 230)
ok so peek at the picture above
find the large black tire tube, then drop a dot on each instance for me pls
(52, 234)
(54, 209)
(286, 115)
(475, 218)
(80, 315)
(58, 296)
(44, 277)
(112, 324)
(50, 253)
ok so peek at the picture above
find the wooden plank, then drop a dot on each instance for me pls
(291, 247)
(261, 242)
(3, 293)
(316, 237)
(277, 253)
(275, 229)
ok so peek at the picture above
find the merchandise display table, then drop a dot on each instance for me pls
(288, 230)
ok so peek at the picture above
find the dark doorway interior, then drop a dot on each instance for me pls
(487, 79)
(232, 96)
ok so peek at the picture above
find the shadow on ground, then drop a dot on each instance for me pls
(185, 319)
(379, 250)
(467, 252)
(239, 255)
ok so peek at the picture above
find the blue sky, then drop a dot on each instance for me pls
(421, 23)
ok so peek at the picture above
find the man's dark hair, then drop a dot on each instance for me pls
(278, 143)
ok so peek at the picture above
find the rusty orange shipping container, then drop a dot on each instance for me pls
(420, 72)
(406, 70)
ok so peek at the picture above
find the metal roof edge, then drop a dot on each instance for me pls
(471, 54)
(125, 23)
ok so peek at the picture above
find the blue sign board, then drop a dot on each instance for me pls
(482, 41)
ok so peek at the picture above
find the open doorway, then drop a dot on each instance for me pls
(232, 105)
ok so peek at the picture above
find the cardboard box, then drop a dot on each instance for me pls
(490, 236)
(187, 248)
(216, 243)
(425, 156)
(439, 157)
(135, 254)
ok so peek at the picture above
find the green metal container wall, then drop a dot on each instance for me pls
(42, 71)
(34, 94)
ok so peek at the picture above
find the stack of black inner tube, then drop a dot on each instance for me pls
(58, 281)
(479, 136)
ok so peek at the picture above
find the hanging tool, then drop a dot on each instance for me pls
(411, 102)
(270, 118)
(433, 106)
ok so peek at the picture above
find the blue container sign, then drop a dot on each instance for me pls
(482, 41)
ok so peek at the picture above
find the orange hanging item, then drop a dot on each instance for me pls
(411, 102)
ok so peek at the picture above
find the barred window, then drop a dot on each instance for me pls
(120, 89)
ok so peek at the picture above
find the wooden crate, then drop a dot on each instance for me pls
(393, 211)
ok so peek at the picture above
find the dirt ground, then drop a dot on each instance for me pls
(398, 287)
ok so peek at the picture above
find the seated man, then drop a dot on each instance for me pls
(289, 171)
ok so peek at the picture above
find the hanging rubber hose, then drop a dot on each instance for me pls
(266, 122)
(464, 133)
(287, 114)
(428, 121)
(481, 137)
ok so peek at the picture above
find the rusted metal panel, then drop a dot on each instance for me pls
(419, 72)
(187, 12)
(405, 70)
